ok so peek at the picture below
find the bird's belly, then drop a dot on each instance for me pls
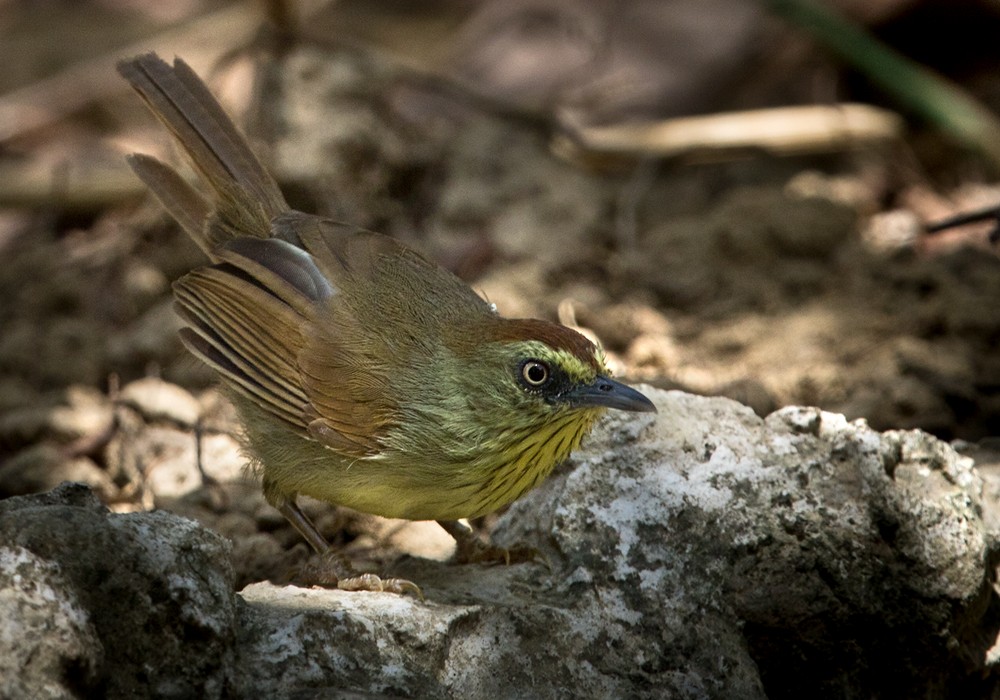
(412, 487)
(371, 488)
(392, 488)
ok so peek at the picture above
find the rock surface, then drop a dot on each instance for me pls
(141, 604)
(700, 552)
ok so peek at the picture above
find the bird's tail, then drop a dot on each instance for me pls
(244, 197)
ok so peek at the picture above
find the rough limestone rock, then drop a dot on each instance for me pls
(846, 562)
(702, 552)
(142, 604)
(48, 646)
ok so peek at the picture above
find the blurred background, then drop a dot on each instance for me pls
(733, 196)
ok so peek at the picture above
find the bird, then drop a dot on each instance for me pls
(363, 374)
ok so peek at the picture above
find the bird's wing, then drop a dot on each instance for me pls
(339, 362)
(384, 322)
(246, 317)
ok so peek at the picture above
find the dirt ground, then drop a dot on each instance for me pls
(774, 281)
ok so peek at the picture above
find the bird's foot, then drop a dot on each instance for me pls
(470, 549)
(332, 570)
(371, 582)
(474, 551)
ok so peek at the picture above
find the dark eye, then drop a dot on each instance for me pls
(535, 373)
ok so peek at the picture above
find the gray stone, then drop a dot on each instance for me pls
(153, 588)
(701, 552)
(48, 646)
(841, 557)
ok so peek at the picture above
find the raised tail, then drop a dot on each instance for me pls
(245, 198)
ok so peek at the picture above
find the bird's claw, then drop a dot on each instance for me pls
(475, 551)
(371, 582)
(333, 571)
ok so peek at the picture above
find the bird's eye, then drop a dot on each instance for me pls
(535, 373)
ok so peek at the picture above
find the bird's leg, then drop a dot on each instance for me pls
(469, 548)
(301, 522)
(334, 569)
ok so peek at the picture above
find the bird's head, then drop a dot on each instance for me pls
(531, 391)
(556, 367)
(539, 372)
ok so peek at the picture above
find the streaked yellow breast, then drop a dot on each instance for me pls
(529, 458)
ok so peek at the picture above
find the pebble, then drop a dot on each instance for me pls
(157, 400)
(44, 466)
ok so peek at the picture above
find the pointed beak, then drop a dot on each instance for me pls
(608, 393)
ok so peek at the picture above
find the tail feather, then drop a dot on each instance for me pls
(247, 315)
(180, 199)
(246, 196)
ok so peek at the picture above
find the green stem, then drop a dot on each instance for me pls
(913, 86)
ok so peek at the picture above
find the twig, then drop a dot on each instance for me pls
(70, 186)
(780, 130)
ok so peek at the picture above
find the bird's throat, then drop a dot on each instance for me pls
(531, 456)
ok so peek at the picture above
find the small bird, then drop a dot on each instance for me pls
(363, 374)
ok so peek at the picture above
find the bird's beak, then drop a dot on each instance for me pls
(608, 393)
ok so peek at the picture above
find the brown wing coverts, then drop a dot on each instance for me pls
(247, 316)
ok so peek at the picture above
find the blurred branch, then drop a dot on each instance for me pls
(778, 130)
(914, 86)
(200, 41)
(973, 217)
(71, 186)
